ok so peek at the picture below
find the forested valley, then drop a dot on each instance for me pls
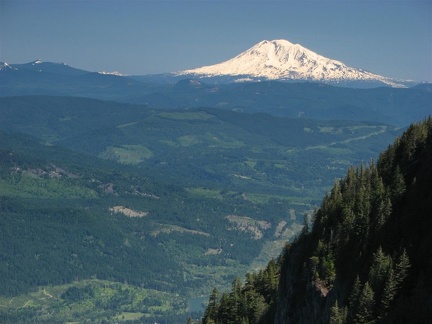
(122, 212)
(365, 257)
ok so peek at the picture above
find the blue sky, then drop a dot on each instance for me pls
(391, 38)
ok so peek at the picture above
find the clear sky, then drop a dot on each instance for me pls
(387, 37)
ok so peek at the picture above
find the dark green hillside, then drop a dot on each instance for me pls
(56, 225)
(368, 254)
(367, 257)
(56, 118)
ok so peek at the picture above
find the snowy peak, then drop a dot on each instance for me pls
(5, 67)
(283, 60)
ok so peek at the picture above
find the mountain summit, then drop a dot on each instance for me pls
(283, 60)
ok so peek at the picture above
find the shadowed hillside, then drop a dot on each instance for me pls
(367, 257)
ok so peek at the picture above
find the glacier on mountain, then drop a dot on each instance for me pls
(283, 60)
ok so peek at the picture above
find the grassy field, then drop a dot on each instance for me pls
(128, 154)
(91, 299)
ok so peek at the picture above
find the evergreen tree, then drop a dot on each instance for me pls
(224, 311)
(257, 306)
(236, 301)
(379, 269)
(388, 294)
(402, 269)
(211, 312)
(366, 305)
(336, 314)
(354, 297)
(398, 186)
(250, 282)
(271, 280)
(384, 210)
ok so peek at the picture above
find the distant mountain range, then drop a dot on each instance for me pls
(295, 99)
(268, 60)
(41, 66)
(49, 67)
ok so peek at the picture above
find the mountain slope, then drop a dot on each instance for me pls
(367, 257)
(282, 60)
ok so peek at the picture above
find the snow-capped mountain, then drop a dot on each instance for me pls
(4, 66)
(283, 60)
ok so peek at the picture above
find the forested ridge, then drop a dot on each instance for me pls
(366, 258)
